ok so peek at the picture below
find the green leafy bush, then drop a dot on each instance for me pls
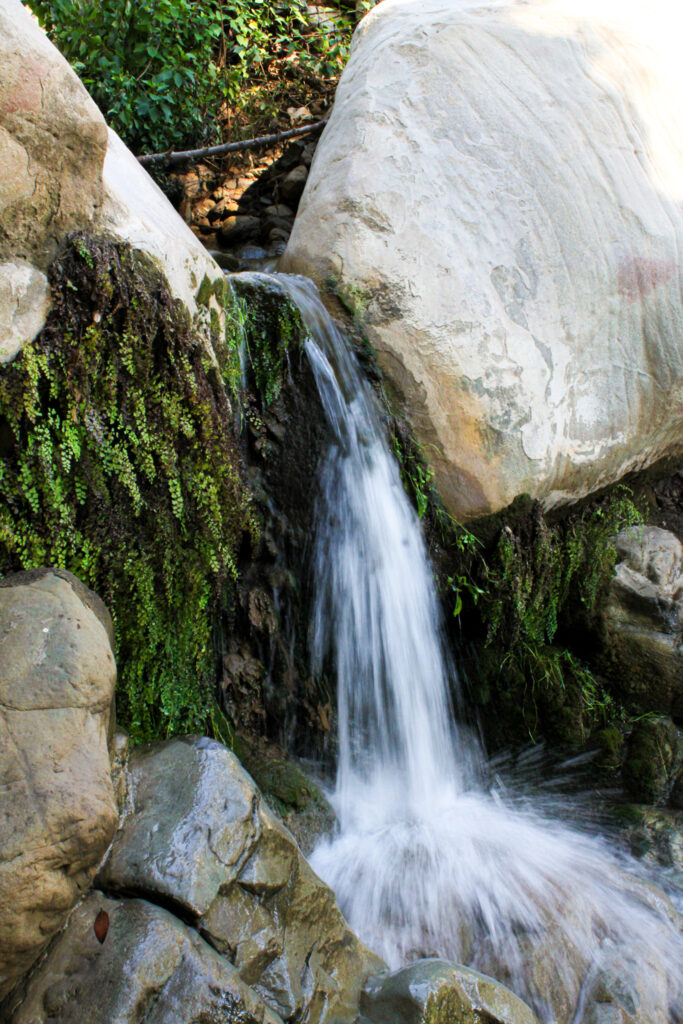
(152, 66)
(162, 71)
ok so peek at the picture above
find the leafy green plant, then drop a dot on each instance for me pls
(535, 572)
(154, 67)
(118, 462)
(162, 71)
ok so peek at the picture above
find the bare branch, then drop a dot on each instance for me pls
(171, 157)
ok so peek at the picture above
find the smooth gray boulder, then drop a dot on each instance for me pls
(148, 968)
(58, 812)
(198, 837)
(641, 623)
(435, 991)
(497, 196)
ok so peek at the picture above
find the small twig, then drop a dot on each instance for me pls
(179, 156)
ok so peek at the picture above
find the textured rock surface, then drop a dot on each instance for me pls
(651, 759)
(79, 177)
(642, 621)
(51, 180)
(497, 194)
(199, 837)
(437, 992)
(24, 305)
(58, 813)
(149, 968)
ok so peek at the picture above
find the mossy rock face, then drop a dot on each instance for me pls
(650, 760)
(120, 462)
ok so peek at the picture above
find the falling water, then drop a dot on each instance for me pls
(426, 860)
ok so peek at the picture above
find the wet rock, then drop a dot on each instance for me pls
(435, 991)
(651, 758)
(293, 185)
(655, 835)
(149, 968)
(199, 837)
(676, 798)
(642, 620)
(58, 814)
(625, 991)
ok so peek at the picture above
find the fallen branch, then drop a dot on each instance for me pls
(179, 156)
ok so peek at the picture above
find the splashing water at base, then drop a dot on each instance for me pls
(427, 862)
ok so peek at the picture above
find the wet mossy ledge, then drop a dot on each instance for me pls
(120, 461)
(521, 591)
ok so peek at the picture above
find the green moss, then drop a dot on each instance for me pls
(118, 462)
(448, 1007)
(270, 326)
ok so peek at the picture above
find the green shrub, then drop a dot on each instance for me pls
(152, 66)
(162, 71)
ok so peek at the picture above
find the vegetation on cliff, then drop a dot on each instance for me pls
(119, 461)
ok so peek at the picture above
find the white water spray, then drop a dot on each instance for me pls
(426, 861)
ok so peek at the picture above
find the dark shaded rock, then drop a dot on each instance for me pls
(293, 185)
(238, 229)
(650, 759)
(642, 620)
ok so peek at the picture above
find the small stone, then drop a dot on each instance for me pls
(238, 229)
(226, 207)
(202, 209)
(293, 185)
(279, 210)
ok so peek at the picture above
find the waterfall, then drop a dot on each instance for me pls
(427, 861)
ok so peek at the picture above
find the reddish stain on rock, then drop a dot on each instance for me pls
(101, 926)
(640, 275)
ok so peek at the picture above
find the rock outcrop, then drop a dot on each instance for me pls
(58, 814)
(198, 839)
(144, 967)
(641, 623)
(497, 196)
(80, 178)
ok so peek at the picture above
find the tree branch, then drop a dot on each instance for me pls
(171, 157)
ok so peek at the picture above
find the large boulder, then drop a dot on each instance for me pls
(129, 962)
(79, 177)
(58, 812)
(198, 838)
(497, 196)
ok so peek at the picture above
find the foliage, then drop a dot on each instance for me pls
(164, 71)
(531, 572)
(152, 66)
(536, 572)
(118, 462)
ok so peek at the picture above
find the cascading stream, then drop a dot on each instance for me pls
(427, 861)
